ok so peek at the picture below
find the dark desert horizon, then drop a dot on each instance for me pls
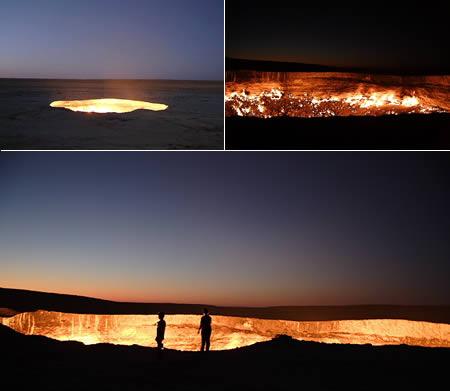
(381, 36)
(231, 305)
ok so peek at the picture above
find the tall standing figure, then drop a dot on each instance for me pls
(160, 331)
(205, 328)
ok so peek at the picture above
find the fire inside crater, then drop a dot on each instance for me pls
(108, 105)
(228, 332)
(277, 102)
(316, 94)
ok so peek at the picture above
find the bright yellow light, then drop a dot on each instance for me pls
(109, 105)
(228, 332)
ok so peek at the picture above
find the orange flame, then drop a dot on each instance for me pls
(276, 102)
(228, 332)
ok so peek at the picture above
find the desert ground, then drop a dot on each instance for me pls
(281, 363)
(193, 120)
(402, 132)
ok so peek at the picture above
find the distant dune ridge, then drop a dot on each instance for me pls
(24, 301)
(233, 64)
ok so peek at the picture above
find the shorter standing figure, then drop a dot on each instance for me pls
(205, 327)
(160, 330)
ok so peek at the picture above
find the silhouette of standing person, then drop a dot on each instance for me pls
(160, 330)
(205, 327)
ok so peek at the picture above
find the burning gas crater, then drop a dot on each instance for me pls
(228, 332)
(276, 103)
(104, 106)
(294, 94)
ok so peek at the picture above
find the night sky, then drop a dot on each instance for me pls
(228, 228)
(159, 39)
(384, 35)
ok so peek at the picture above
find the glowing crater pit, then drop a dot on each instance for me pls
(228, 332)
(317, 94)
(277, 102)
(109, 105)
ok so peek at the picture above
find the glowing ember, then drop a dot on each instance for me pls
(228, 332)
(267, 95)
(276, 103)
(108, 105)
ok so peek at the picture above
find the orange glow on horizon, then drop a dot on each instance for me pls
(108, 105)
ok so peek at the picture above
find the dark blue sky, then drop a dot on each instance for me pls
(228, 228)
(169, 39)
(399, 35)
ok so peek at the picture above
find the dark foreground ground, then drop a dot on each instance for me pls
(32, 362)
(193, 120)
(13, 301)
(412, 131)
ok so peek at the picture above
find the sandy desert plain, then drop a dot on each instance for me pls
(193, 119)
